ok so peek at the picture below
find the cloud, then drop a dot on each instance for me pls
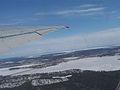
(78, 10)
(104, 38)
(13, 22)
(118, 17)
(87, 5)
(7, 24)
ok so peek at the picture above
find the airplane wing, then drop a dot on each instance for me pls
(11, 37)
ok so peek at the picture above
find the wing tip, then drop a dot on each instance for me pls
(67, 26)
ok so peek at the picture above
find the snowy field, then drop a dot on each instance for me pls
(70, 58)
(108, 63)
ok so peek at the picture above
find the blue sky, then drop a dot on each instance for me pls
(84, 17)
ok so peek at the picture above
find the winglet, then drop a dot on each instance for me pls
(67, 26)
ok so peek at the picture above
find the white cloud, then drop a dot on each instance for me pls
(87, 5)
(118, 17)
(78, 10)
(110, 37)
(77, 42)
(7, 24)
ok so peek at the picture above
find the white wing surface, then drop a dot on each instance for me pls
(11, 37)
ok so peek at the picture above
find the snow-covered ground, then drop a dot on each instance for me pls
(108, 63)
(6, 71)
(71, 58)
